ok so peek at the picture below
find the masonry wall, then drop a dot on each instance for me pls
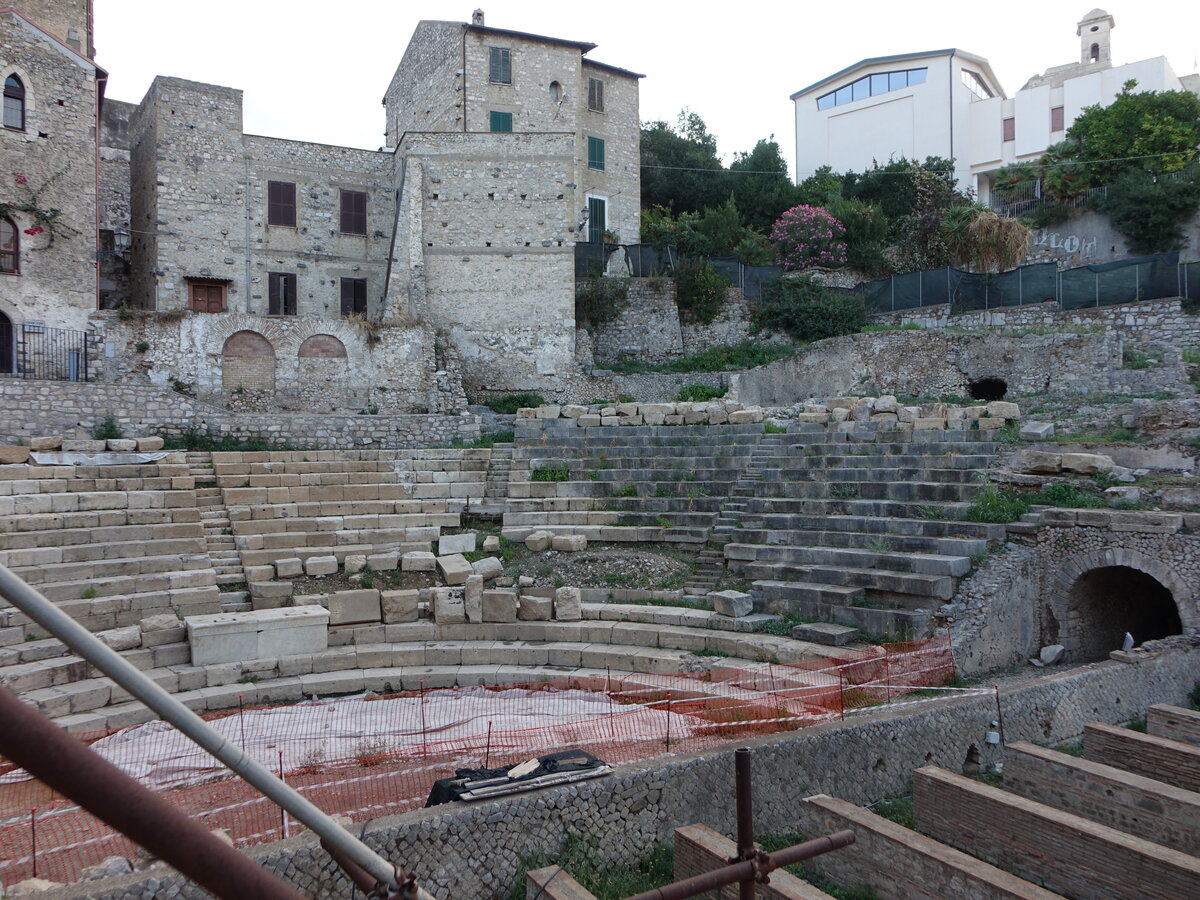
(115, 205)
(68, 20)
(52, 163)
(474, 849)
(73, 408)
(425, 91)
(619, 126)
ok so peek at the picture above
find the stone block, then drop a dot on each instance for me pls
(259, 573)
(734, 604)
(383, 562)
(149, 444)
(10, 456)
(534, 609)
(1048, 656)
(886, 404)
(538, 540)
(418, 561)
(1086, 463)
(456, 543)
(987, 423)
(473, 599)
(568, 543)
(489, 568)
(568, 605)
(589, 421)
(355, 562)
(321, 565)
(922, 424)
(627, 409)
(289, 568)
(826, 633)
(262, 634)
(1041, 462)
(571, 411)
(122, 445)
(448, 606)
(398, 606)
(745, 416)
(354, 607)
(491, 544)
(499, 606)
(127, 638)
(1001, 409)
(454, 568)
(84, 446)
(160, 622)
(270, 590)
(45, 442)
(547, 412)
(1036, 431)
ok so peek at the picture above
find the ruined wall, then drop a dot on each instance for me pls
(52, 164)
(475, 849)
(488, 260)
(647, 326)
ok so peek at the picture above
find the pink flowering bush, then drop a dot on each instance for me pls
(807, 236)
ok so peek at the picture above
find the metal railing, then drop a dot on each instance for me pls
(46, 354)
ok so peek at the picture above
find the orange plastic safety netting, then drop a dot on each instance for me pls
(379, 755)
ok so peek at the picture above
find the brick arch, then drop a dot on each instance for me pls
(322, 346)
(247, 361)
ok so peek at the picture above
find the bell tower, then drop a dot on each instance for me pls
(1095, 39)
(68, 20)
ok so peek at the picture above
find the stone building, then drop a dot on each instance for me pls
(453, 243)
(53, 94)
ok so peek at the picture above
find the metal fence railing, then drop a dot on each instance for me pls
(36, 352)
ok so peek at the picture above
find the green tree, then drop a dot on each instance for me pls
(893, 186)
(762, 198)
(680, 167)
(1150, 209)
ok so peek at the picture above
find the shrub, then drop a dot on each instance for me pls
(866, 234)
(626, 490)
(141, 346)
(698, 393)
(1151, 210)
(997, 507)
(808, 311)
(599, 299)
(732, 357)
(700, 290)
(773, 428)
(107, 429)
(510, 403)
(550, 473)
(807, 236)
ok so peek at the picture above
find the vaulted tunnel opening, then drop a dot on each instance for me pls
(987, 389)
(1109, 601)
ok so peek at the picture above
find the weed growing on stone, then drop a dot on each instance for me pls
(510, 403)
(107, 429)
(929, 511)
(626, 490)
(1107, 436)
(843, 492)
(773, 842)
(550, 473)
(661, 491)
(731, 358)
(773, 428)
(604, 878)
(89, 594)
(1009, 434)
(1194, 696)
(997, 506)
(898, 810)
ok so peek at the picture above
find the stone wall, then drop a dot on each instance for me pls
(647, 326)
(474, 850)
(73, 408)
(54, 158)
(115, 204)
(930, 364)
(1150, 320)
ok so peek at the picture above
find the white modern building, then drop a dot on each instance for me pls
(949, 103)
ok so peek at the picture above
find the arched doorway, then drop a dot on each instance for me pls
(8, 346)
(1109, 601)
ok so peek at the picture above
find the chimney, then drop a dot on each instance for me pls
(477, 18)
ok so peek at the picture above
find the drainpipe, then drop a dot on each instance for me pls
(950, 78)
(87, 645)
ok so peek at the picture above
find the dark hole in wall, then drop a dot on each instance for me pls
(1112, 600)
(987, 389)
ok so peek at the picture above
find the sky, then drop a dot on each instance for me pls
(317, 71)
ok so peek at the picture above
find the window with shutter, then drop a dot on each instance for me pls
(354, 212)
(1009, 127)
(281, 203)
(281, 294)
(1057, 120)
(595, 153)
(500, 121)
(597, 219)
(354, 296)
(206, 296)
(596, 95)
(499, 65)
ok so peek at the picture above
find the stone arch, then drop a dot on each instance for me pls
(1099, 596)
(247, 361)
(322, 346)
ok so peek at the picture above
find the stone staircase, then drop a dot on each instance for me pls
(218, 533)
(868, 534)
(498, 472)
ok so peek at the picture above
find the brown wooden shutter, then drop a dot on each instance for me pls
(281, 203)
(354, 212)
(347, 296)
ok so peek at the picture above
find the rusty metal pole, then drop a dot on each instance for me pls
(74, 770)
(745, 817)
(762, 865)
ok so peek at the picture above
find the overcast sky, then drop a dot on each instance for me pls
(317, 71)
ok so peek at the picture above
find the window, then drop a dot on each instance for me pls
(8, 346)
(354, 212)
(595, 95)
(499, 65)
(1010, 129)
(595, 153)
(281, 203)
(206, 296)
(500, 121)
(10, 247)
(597, 219)
(1057, 120)
(976, 85)
(354, 296)
(870, 85)
(14, 103)
(281, 294)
